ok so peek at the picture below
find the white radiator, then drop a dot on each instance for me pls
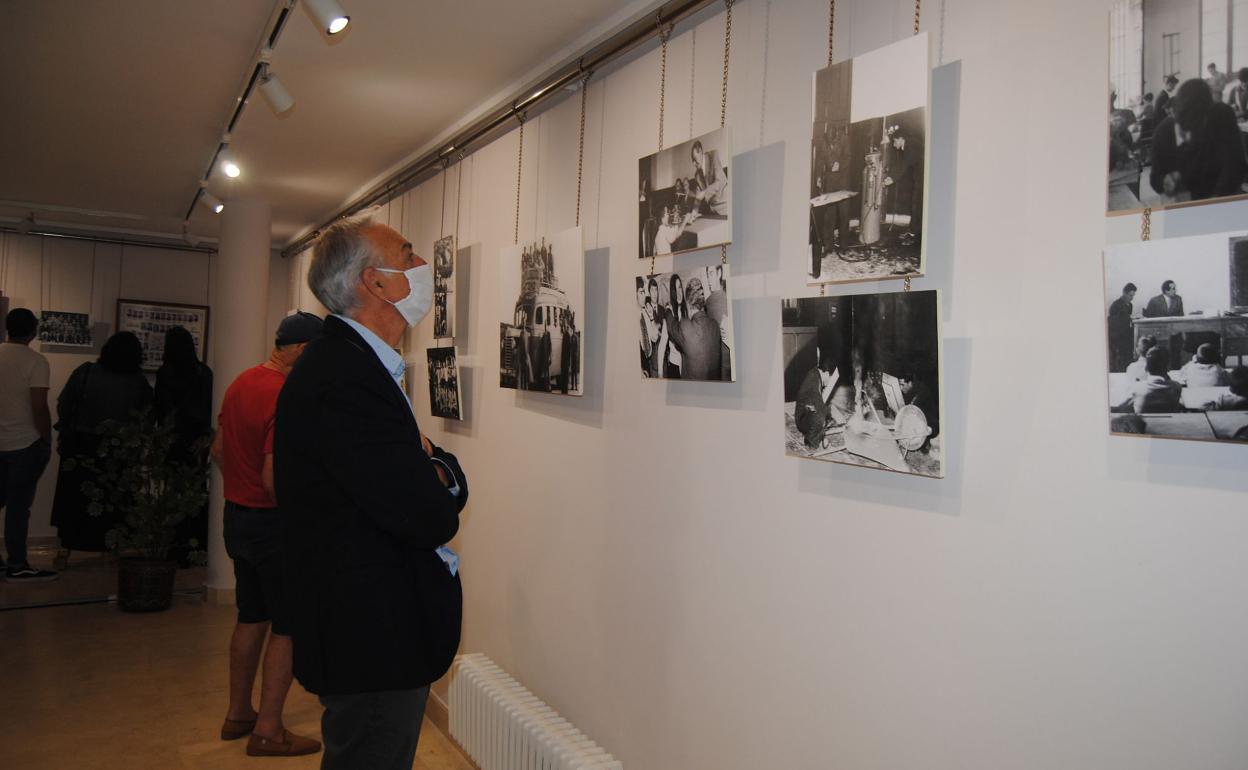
(503, 726)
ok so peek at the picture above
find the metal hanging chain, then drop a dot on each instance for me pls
(823, 290)
(459, 190)
(917, 15)
(723, 93)
(693, 76)
(664, 33)
(907, 284)
(442, 219)
(940, 57)
(580, 147)
(519, 167)
(1146, 224)
(831, 33)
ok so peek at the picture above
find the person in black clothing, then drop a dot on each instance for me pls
(1197, 151)
(1121, 332)
(183, 399)
(1161, 107)
(368, 503)
(112, 388)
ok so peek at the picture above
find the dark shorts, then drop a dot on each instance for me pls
(253, 539)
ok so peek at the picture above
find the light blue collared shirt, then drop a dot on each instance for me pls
(396, 366)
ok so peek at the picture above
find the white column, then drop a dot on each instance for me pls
(238, 340)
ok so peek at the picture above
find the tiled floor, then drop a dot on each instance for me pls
(91, 687)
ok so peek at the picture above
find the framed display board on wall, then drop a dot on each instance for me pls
(150, 320)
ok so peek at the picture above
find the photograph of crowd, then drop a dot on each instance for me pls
(686, 325)
(868, 165)
(542, 289)
(862, 380)
(444, 288)
(149, 321)
(1178, 103)
(1177, 334)
(68, 329)
(444, 398)
(685, 196)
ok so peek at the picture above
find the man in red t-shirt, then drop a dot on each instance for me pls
(243, 450)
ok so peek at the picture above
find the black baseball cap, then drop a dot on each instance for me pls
(298, 327)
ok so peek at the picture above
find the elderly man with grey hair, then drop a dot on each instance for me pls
(368, 504)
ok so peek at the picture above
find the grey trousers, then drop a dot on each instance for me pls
(372, 730)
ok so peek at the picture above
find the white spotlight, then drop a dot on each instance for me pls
(329, 15)
(212, 202)
(275, 93)
(231, 169)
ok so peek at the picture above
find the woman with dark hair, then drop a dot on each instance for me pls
(676, 311)
(184, 400)
(112, 388)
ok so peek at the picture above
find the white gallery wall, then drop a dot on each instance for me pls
(648, 560)
(43, 273)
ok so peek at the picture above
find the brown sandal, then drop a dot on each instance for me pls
(233, 729)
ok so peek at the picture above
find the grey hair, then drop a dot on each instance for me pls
(341, 252)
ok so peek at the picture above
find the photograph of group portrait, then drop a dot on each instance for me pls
(1177, 334)
(69, 329)
(444, 397)
(684, 197)
(541, 334)
(868, 165)
(444, 288)
(1178, 103)
(686, 325)
(862, 380)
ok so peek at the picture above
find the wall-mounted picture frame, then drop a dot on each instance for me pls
(71, 330)
(1177, 104)
(684, 196)
(150, 320)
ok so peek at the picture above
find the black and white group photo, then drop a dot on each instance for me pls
(686, 325)
(862, 380)
(444, 396)
(542, 290)
(1178, 103)
(444, 288)
(868, 165)
(149, 322)
(685, 196)
(69, 329)
(1177, 336)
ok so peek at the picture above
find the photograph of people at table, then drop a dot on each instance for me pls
(1178, 111)
(868, 162)
(684, 196)
(862, 380)
(1177, 335)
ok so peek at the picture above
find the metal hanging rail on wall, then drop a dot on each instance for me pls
(171, 246)
(487, 128)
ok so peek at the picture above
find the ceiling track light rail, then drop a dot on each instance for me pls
(493, 125)
(258, 68)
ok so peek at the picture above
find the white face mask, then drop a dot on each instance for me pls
(419, 299)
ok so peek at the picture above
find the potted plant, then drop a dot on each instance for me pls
(135, 477)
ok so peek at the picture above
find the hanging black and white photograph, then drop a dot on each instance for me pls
(868, 165)
(542, 296)
(684, 195)
(444, 396)
(1177, 337)
(444, 288)
(1178, 103)
(686, 325)
(150, 320)
(67, 329)
(862, 381)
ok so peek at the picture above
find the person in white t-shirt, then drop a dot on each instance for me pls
(25, 438)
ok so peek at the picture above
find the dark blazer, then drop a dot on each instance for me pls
(1157, 307)
(371, 605)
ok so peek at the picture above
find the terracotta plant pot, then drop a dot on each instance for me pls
(145, 585)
